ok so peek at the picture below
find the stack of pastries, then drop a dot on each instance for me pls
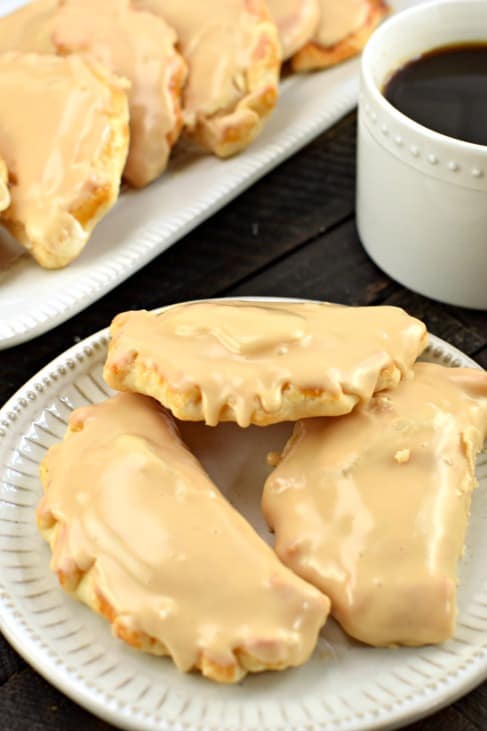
(369, 499)
(103, 90)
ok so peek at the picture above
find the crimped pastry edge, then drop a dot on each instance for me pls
(82, 586)
(62, 246)
(313, 56)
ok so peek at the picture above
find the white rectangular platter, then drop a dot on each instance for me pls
(145, 223)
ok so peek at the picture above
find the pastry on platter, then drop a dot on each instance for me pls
(28, 28)
(372, 508)
(142, 536)
(344, 28)
(261, 362)
(140, 47)
(297, 21)
(64, 139)
(133, 44)
(233, 54)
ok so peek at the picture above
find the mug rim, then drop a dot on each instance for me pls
(379, 97)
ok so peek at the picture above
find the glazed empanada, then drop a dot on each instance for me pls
(133, 44)
(64, 138)
(297, 21)
(372, 508)
(261, 363)
(141, 48)
(142, 536)
(28, 28)
(233, 54)
(344, 28)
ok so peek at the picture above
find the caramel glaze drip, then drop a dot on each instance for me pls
(171, 557)
(372, 508)
(234, 351)
(140, 47)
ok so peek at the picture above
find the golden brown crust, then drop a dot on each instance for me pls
(313, 56)
(132, 365)
(297, 403)
(232, 126)
(83, 586)
(296, 21)
(155, 103)
(27, 28)
(54, 249)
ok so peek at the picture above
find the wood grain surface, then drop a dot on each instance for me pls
(292, 234)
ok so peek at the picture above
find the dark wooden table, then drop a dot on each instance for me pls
(292, 234)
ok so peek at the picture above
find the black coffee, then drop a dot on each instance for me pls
(445, 90)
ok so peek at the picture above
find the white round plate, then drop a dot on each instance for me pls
(344, 687)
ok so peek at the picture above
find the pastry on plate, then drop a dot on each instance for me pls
(344, 28)
(233, 54)
(261, 362)
(142, 536)
(297, 21)
(64, 138)
(372, 508)
(140, 47)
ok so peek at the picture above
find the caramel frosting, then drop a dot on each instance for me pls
(141, 48)
(168, 556)
(372, 508)
(297, 22)
(280, 359)
(339, 19)
(28, 28)
(221, 43)
(58, 187)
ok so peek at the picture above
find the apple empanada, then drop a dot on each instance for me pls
(140, 47)
(372, 508)
(233, 54)
(142, 536)
(344, 28)
(261, 362)
(133, 44)
(64, 138)
(28, 28)
(297, 21)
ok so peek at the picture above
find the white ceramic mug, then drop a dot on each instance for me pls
(422, 196)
